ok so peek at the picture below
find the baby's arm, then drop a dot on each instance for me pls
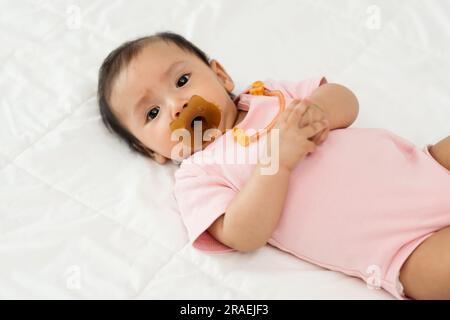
(339, 103)
(254, 213)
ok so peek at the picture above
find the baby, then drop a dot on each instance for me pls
(364, 202)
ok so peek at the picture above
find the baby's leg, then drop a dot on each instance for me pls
(426, 272)
(441, 152)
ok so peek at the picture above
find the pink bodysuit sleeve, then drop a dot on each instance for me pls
(297, 90)
(201, 199)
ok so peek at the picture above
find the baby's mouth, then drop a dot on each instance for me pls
(197, 119)
(198, 113)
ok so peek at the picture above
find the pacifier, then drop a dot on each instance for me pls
(197, 110)
(258, 89)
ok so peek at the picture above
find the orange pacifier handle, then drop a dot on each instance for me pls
(197, 109)
(258, 89)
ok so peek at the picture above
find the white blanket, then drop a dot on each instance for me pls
(83, 217)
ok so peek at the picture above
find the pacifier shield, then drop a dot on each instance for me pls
(198, 109)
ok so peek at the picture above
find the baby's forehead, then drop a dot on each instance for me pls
(151, 66)
(162, 53)
(155, 62)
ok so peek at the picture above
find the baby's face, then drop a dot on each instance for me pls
(151, 91)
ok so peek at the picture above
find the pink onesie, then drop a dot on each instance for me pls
(360, 204)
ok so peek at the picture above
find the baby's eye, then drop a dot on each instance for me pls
(183, 80)
(152, 113)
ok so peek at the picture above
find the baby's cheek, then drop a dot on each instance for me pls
(173, 149)
(169, 145)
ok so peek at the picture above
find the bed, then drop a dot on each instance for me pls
(82, 217)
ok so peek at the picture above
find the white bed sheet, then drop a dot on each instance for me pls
(83, 217)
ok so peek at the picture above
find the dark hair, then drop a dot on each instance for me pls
(111, 67)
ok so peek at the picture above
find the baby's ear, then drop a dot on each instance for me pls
(223, 76)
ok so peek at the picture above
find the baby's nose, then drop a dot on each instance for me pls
(177, 114)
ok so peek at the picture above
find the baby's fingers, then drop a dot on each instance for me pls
(321, 137)
(314, 128)
(294, 117)
(286, 113)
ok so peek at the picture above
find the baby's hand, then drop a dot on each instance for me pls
(314, 113)
(294, 143)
